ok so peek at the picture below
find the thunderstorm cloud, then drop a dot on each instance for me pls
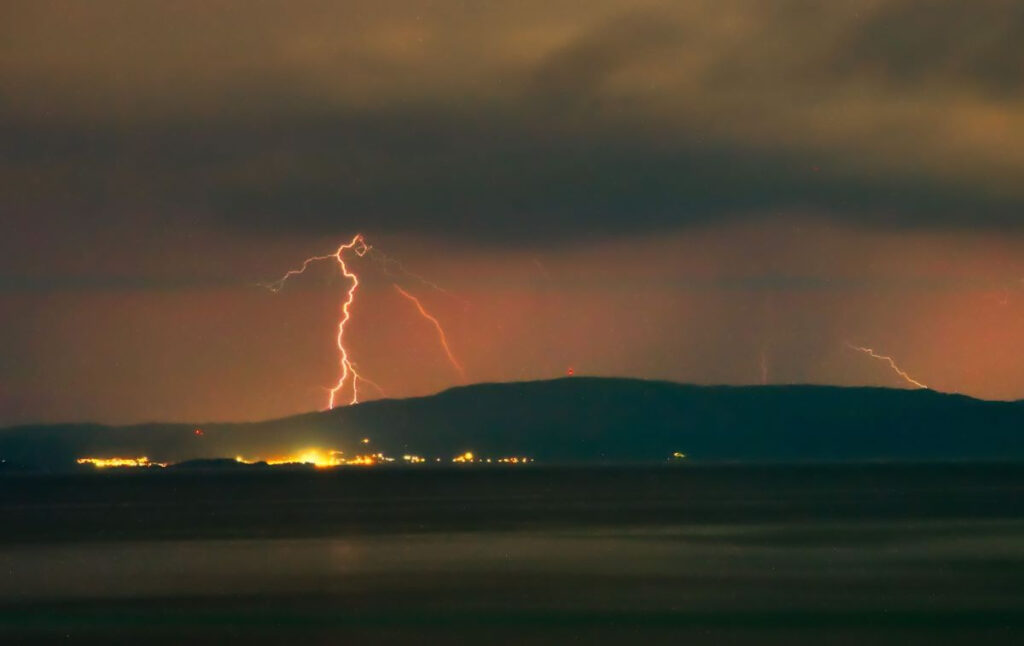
(508, 121)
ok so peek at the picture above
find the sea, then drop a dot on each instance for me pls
(693, 553)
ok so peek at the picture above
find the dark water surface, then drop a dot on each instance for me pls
(723, 554)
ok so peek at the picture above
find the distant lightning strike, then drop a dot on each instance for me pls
(348, 373)
(440, 331)
(386, 262)
(892, 364)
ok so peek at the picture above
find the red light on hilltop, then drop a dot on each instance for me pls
(570, 372)
(198, 432)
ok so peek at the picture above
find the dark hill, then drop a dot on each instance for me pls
(583, 420)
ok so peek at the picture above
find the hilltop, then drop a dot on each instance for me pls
(582, 420)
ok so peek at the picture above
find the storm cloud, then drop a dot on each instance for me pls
(515, 121)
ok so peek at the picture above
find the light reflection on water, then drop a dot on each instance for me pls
(810, 564)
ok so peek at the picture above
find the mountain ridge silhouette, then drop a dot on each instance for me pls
(580, 420)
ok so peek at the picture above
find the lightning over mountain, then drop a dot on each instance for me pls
(349, 377)
(892, 364)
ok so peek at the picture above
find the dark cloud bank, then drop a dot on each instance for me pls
(519, 123)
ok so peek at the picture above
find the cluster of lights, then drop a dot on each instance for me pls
(325, 459)
(322, 459)
(104, 463)
(469, 458)
(319, 458)
(330, 458)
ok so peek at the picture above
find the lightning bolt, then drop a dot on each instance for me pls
(440, 331)
(892, 364)
(386, 262)
(348, 375)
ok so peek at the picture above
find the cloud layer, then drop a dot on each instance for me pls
(512, 121)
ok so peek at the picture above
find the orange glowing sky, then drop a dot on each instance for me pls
(698, 306)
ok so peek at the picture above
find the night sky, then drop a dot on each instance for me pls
(709, 191)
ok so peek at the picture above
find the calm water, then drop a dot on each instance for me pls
(747, 555)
